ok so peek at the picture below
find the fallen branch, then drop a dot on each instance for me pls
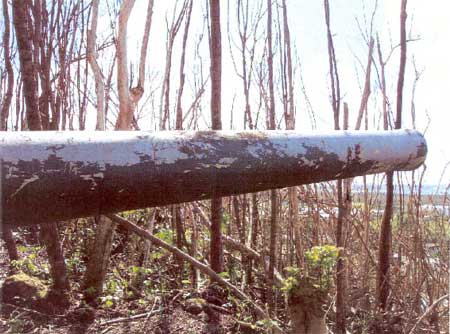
(236, 245)
(131, 318)
(194, 262)
(32, 311)
(228, 241)
(428, 310)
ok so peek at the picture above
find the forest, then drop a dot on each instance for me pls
(366, 254)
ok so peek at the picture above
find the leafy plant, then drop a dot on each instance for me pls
(28, 263)
(166, 235)
(226, 219)
(265, 324)
(108, 301)
(320, 262)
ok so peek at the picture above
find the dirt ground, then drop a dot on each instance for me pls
(20, 321)
(114, 320)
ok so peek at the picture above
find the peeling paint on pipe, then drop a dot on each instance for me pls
(52, 176)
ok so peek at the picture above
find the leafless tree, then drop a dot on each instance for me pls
(128, 98)
(336, 101)
(273, 193)
(179, 114)
(28, 65)
(92, 59)
(215, 47)
(4, 113)
(171, 35)
(383, 280)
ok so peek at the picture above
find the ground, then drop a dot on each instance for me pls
(22, 321)
(77, 319)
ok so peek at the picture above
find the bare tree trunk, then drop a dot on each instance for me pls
(340, 265)
(6, 104)
(144, 47)
(342, 231)
(366, 91)
(108, 84)
(385, 245)
(271, 111)
(383, 281)
(290, 125)
(253, 234)
(382, 289)
(104, 234)
(273, 193)
(290, 116)
(179, 232)
(366, 212)
(179, 126)
(216, 83)
(30, 85)
(179, 115)
(366, 267)
(273, 249)
(49, 232)
(67, 37)
(341, 303)
(7, 235)
(97, 265)
(248, 51)
(401, 73)
(343, 193)
(92, 59)
(216, 246)
(43, 51)
(334, 77)
(194, 247)
(126, 109)
(165, 91)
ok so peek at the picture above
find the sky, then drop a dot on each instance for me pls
(426, 22)
(427, 25)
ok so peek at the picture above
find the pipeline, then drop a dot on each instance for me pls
(53, 176)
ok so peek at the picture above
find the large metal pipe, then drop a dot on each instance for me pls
(51, 176)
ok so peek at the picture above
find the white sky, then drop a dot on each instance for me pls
(426, 19)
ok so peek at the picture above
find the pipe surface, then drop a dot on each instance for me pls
(52, 176)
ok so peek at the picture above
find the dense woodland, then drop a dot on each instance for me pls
(371, 258)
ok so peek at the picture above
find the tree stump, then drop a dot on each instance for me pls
(306, 308)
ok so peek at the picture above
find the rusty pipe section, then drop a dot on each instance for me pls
(52, 176)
